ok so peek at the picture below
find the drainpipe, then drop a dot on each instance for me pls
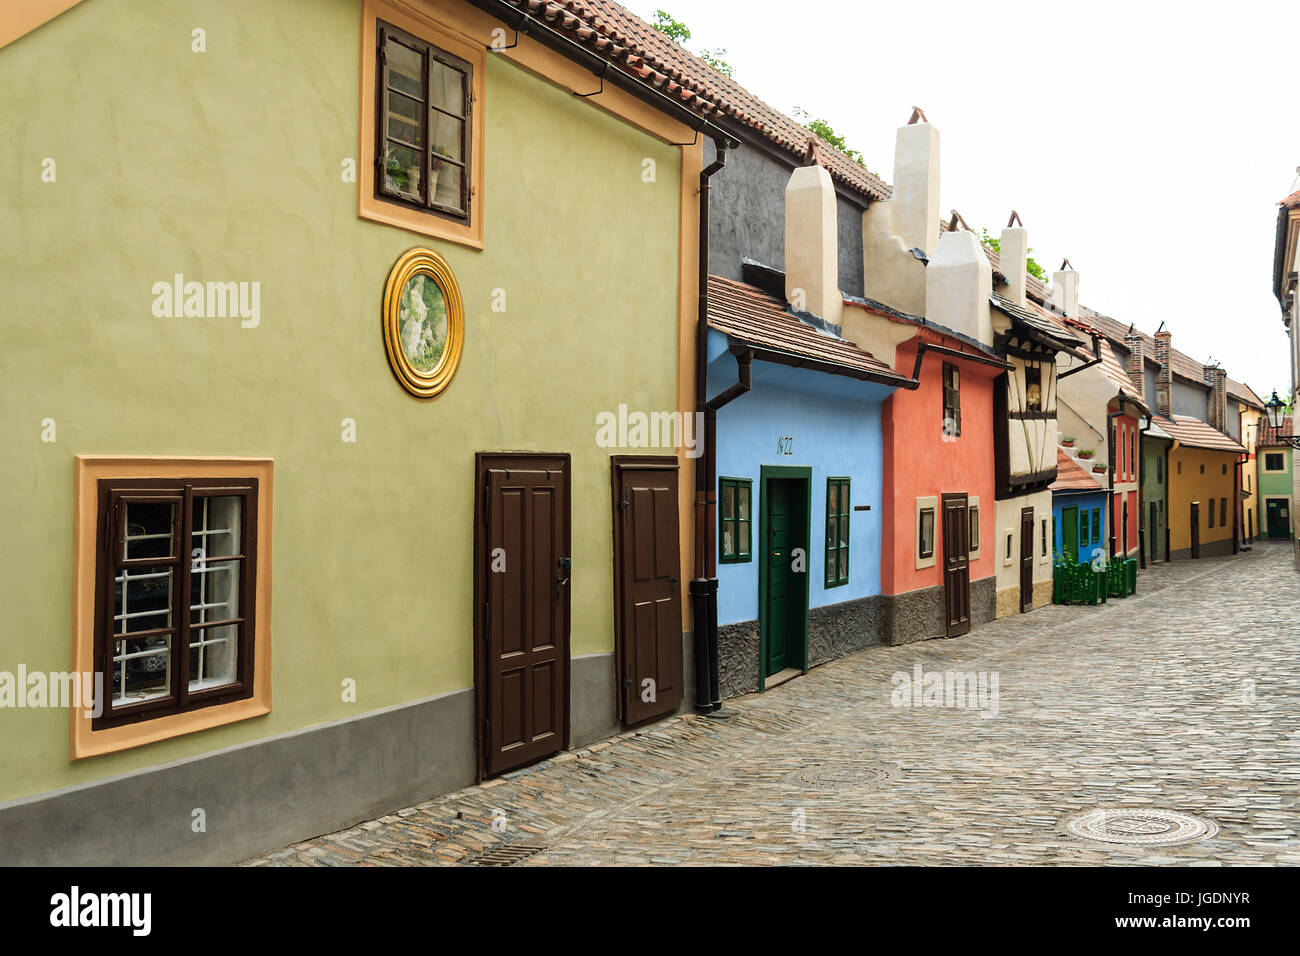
(704, 585)
(1110, 470)
(1142, 497)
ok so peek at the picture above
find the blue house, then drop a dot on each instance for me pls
(1078, 511)
(799, 477)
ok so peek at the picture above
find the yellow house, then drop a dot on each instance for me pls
(1202, 488)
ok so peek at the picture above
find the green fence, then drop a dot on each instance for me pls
(1080, 584)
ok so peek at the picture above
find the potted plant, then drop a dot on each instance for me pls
(1068, 441)
(1099, 468)
(1087, 452)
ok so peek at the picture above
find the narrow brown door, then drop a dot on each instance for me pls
(1196, 529)
(647, 587)
(1026, 559)
(956, 563)
(522, 588)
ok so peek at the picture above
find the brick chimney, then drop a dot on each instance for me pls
(1013, 256)
(1217, 379)
(812, 244)
(1065, 290)
(1136, 357)
(1165, 377)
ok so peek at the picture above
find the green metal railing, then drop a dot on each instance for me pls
(1074, 583)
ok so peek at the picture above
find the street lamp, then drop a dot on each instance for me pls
(1275, 408)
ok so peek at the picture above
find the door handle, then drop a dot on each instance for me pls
(561, 575)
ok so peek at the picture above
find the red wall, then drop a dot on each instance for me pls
(918, 462)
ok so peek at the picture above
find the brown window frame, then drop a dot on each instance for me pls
(113, 494)
(921, 550)
(428, 51)
(952, 396)
(1033, 376)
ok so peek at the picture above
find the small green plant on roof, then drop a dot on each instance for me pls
(1087, 452)
(679, 32)
(1035, 270)
(824, 130)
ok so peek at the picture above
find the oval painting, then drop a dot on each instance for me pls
(422, 323)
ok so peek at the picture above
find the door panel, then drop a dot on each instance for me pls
(1069, 532)
(1153, 529)
(956, 563)
(521, 586)
(779, 585)
(647, 587)
(1027, 556)
(1196, 529)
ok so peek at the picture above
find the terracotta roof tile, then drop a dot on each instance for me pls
(1071, 477)
(1195, 433)
(618, 35)
(752, 316)
(1268, 435)
(1291, 201)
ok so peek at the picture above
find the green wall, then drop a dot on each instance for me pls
(226, 166)
(1272, 484)
(1154, 490)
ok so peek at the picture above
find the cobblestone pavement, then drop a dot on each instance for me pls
(1185, 697)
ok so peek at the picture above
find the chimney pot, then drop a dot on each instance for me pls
(915, 200)
(1065, 290)
(1013, 256)
(1136, 360)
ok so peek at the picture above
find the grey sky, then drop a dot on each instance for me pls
(1148, 142)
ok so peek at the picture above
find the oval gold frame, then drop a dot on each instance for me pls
(410, 263)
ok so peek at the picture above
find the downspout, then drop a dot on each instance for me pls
(1096, 350)
(1110, 471)
(704, 585)
(1142, 496)
(1168, 481)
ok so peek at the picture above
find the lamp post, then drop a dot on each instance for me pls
(1275, 408)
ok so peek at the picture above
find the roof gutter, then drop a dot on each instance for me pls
(1096, 350)
(571, 49)
(954, 353)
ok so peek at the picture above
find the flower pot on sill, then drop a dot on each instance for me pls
(1099, 469)
(1068, 442)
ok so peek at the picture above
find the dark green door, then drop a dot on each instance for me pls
(1070, 533)
(1279, 523)
(785, 552)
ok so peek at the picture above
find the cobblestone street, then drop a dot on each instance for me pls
(1185, 697)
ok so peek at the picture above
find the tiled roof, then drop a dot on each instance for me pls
(1184, 366)
(1197, 434)
(1036, 321)
(1291, 201)
(1268, 435)
(752, 316)
(616, 34)
(1070, 476)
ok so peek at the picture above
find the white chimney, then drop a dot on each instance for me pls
(958, 283)
(1065, 290)
(812, 244)
(914, 203)
(1013, 255)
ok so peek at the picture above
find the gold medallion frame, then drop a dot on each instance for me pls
(411, 263)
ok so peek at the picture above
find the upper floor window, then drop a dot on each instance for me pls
(1033, 388)
(951, 400)
(423, 124)
(1274, 461)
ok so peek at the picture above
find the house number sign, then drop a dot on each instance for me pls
(785, 445)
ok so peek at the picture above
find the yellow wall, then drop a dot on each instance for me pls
(1189, 485)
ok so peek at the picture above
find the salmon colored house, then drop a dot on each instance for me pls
(937, 567)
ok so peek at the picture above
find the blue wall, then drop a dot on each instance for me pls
(1091, 500)
(835, 425)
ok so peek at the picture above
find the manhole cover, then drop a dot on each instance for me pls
(838, 776)
(1142, 827)
(506, 855)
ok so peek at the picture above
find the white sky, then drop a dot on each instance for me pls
(1147, 142)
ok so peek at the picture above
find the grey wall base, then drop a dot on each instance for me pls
(256, 797)
(1213, 549)
(269, 793)
(921, 615)
(834, 631)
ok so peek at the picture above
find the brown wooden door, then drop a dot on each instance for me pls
(1196, 529)
(956, 563)
(647, 587)
(1026, 559)
(522, 588)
